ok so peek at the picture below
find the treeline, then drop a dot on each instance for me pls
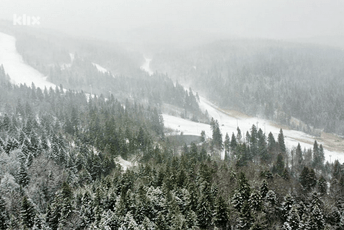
(277, 80)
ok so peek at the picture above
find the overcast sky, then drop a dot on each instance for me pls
(278, 19)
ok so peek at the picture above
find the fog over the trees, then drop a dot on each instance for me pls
(316, 20)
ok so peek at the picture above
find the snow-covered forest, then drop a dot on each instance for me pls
(230, 133)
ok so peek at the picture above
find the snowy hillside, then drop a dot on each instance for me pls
(229, 121)
(18, 70)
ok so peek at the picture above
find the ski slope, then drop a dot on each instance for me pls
(16, 68)
(229, 121)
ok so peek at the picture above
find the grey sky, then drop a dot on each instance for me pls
(279, 19)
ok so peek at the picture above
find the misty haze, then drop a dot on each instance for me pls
(160, 114)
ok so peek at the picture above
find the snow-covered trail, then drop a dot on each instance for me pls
(16, 68)
(230, 121)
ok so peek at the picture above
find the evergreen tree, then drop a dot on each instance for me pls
(23, 177)
(308, 179)
(233, 142)
(281, 143)
(264, 189)
(4, 218)
(271, 142)
(293, 218)
(264, 156)
(279, 165)
(255, 201)
(27, 212)
(298, 158)
(322, 185)
(239, 135)
(317, 161)
(204, 211)
(254, 142)
(220, 213)
(227, 144)
(316, 220)
(245, 217)
(242, 193)
(286, 207)
(203, 136)
(217, 136)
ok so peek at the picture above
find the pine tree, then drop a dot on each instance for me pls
(242, 194)
(253, 142)
(204, 211)
(308, 179)
(255, 201)
(203, 136)
(264, 189)
(220, 213)
(27, 212)
(233, 142)
(262, 148)
(217, 136)
(286, 207)
(317, 161)
(271, 142)
(298, 157)
(161, 222)
(281, 143)
(23, 178)
(4, 218)
(239, 135)
(293, 218)
(322, 185)
(279, 165)
(245, 218)
(227, 144)
(316, 220)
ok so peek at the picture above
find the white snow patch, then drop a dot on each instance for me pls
(16, 68)
(125, 164)
(100, 68)
(146, 66)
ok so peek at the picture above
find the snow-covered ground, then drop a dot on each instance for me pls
(125, 164)
(229, 121)
(16, 68)
(146, 66)
(100, 68)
